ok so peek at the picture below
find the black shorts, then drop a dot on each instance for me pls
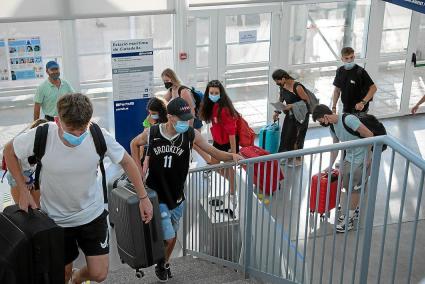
(226, 147)
(92, 238)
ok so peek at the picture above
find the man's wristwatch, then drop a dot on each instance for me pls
(363, 102)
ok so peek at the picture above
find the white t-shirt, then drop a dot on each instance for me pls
(70, 193)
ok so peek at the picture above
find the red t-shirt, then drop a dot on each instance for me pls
(221, 129)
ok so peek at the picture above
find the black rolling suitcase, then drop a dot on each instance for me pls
(14, 259)
(139, 245)
(40, 246)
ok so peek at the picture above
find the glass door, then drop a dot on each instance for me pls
(233, 46)
(417, 90)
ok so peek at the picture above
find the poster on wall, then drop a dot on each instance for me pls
(132, 85)
(25, 58)
(4, 68)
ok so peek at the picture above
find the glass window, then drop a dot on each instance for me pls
(94, 38)
(202, 41)
(395, 34)
(318, 32)
(418, 83)
(50, 38)
(258, 51)
(390, 83)
(318, 80)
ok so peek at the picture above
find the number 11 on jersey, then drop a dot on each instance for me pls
(167, 161)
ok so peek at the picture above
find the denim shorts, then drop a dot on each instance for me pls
(12, 182)
(170, 220)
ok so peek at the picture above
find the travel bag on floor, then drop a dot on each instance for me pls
(321, 190)
(44, 239)
(266, 174)
(269, 137)
(139, 245)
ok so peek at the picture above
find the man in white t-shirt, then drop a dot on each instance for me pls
(71, 195)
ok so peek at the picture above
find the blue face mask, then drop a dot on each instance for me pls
(181, 126)
(349, 65)
(74, 140)
(214, 98)
(155, 116)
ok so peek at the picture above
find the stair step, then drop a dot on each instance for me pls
(185, 270)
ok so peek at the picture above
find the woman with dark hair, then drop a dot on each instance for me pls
(218, 109)
(293, 131)
(157, 114)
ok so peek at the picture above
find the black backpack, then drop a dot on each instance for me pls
(368, 120)
(40, 147)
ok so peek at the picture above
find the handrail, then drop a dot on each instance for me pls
(378, 140)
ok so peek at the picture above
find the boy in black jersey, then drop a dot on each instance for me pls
(169, 157)
(353, 84)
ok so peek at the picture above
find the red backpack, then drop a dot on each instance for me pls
(245, 133)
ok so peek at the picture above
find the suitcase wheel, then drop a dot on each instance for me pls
(324, 216)
(139, 273)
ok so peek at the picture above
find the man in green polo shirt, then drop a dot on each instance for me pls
(49, 91)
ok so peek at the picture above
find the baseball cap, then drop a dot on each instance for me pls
(52, 64)
(180, 108)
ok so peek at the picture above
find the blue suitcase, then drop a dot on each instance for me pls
(269, 137)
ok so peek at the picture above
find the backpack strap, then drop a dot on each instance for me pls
(100, 144)
(191, 136)
(351, 131)
(39, 149)
(182, 88)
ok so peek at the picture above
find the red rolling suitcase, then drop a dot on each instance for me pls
(323, 187)
(265, 173)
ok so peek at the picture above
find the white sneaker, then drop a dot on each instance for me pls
(355, 215)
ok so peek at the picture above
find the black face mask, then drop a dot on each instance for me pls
(168, 85)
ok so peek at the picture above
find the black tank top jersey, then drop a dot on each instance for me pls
(168, 165)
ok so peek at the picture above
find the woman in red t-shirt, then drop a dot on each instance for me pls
(218, 109)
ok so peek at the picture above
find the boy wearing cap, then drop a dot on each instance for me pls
(169, 149)
(49, 91)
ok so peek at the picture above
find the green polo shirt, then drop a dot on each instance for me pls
(47, 95)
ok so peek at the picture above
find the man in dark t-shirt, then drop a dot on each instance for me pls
(169, 147)
(353, 84)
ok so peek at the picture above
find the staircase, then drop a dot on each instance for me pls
(185, 269)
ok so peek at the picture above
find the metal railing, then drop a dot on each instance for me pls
(282, 238)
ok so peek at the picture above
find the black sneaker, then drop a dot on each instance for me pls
(161, 271)
(167, 266)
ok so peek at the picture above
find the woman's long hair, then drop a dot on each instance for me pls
(224, 101)
(172, 75)
(158, 105)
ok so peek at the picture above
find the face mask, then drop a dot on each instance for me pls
(349, 65)
(214, 98)
(54, 76)
(74, 140)
(155, 116)
(181, 126)
(168, 85)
